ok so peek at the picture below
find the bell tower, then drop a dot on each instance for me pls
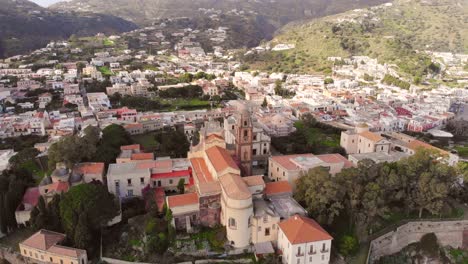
(244, 131)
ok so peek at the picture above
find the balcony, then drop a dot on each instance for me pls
(312, 252)
(324, 250)
(299, 254)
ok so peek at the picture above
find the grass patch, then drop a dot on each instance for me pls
(147, 141)
(107, 42)
(105, 70)
(462, 151)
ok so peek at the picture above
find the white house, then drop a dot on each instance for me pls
(303, 241)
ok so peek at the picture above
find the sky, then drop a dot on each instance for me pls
(45, 3)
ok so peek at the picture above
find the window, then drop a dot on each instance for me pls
(368, 145)
(51, 260)
(232, 127)
(298, 261)
(232, 223)
(255, 137)
(130, 193)
(61, 261)
(142, 181)
(264, 151)
(254, 152)
(277, 169)
(353, 141)
(267, 231)
(311, 251)
(129, 182)
(310, 259)
(245, 123)
(246, 133)
(25, 252)
(171, 181)
(284, 174)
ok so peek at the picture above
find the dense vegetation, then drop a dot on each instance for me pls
(393, 35)
(372, 195)
(80, 213)
(23, 31)
(310, 136)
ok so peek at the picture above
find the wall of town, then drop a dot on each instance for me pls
(449, 233)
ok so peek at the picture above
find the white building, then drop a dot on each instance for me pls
(303, 241)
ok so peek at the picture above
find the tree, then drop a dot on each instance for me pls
(96, 204)
(348, 245)
(328, 81)
(83, 235)
(23, 156)
(113, 137)
(265, 103)
(181, 186)
(324, 205)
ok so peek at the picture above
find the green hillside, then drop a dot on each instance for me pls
(25, 26)
(393, 33)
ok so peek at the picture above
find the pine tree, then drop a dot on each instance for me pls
(83, 237)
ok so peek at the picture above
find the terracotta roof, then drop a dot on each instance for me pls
(335, 158)
(66, 251)
(89, 168)
(182, 200)
(220, 159)
(279, 187)
(254, 180)
(200, 170)
(135, 125)
(58, 187)
(234, 187)
(300, 229)
(142, 156)
(209, 188)
(417, 144)
(286, 160)
(172, 174)
(131, 147)
(43, 239)
(371, 136)
(31, 196)
(214, 137)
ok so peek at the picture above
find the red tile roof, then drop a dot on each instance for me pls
(89, 168)
(173, 174)
(254, 180)
(131, 147)
(43, 239)
(279, 187)
(142, 156)
(220, 159)
(182, 200)
(66, 251)
(200, 170)
(58, 187)
(300, 229)
(234, 187)
(335, 158)
(285, 160)
(31, 196)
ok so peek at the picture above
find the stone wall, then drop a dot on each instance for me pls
(12, 256)
(449, 233)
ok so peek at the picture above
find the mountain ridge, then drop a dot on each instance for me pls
(27, 26)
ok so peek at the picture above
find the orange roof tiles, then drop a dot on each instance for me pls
(300, 229)
(142, 156)
(416, 144)
(220, 159)
(182, 200)
(59, 186)
(43, 239)
(335, 158)
(131, 147)
(371, 136)
(89, 168)
(201, 172)
(285, 160)
(272, 188)
(234, 187)
(66, 251)
(254, 180)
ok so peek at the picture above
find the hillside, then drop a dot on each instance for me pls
(26, 26)
(391, 32)
(278, 12)
(250, 20)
